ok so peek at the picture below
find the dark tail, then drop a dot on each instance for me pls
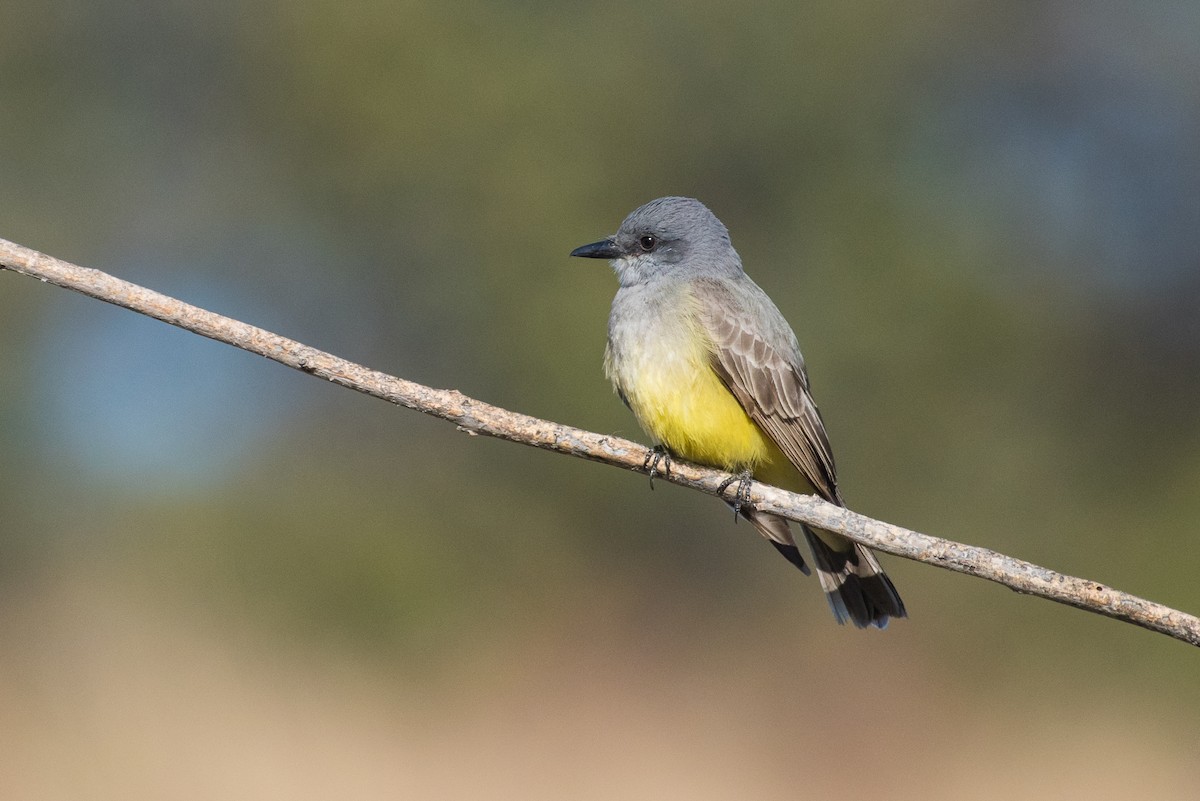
(855, 585)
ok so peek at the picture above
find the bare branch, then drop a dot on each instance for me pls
(482, 418)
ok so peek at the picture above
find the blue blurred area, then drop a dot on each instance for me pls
(1077, 152)
(130, 403)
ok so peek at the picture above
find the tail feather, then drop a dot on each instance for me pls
(854, 582)
(792, 554)
(855, 585)
(776, 530)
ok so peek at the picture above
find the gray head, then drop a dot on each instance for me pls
(669, 236)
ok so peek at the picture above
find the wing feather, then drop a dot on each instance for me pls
(755, 354)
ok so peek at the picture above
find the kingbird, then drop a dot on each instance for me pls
(713, 373)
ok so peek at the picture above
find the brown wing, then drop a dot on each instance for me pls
(755, 355)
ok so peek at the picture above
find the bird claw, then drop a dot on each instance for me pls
(657, 455)
(741, 496)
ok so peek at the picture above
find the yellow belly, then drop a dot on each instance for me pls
(696, 417)
(682, 404)
(658, 359)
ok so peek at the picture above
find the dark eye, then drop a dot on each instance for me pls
(647, 242)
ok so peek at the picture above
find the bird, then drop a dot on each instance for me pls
(713, 373)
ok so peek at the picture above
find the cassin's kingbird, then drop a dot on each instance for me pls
(712, 372)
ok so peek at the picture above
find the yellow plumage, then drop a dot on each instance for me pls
(680, 402)
(691, 412)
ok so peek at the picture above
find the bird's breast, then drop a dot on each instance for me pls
(658, 358)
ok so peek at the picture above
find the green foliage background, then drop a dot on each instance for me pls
(980, 217)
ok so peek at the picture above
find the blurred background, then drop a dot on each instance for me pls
(221, 578)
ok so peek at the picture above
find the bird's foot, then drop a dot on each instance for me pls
(741, 496)
(658, 455)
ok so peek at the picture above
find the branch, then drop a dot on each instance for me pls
(476, 417)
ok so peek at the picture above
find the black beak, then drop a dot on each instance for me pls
(604, 249)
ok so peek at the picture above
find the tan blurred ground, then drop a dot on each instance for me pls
(104, 697)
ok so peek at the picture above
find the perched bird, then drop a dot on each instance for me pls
(714, 375)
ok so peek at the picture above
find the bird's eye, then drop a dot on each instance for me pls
(647, 242)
